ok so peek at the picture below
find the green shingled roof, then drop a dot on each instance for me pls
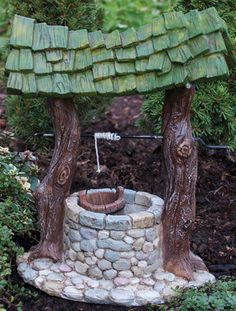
(172, 50)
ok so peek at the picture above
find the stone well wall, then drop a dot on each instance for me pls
(111, 246)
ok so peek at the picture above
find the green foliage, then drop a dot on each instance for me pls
(214, 106)
(218, 296)
(17, 216)
(122, 14)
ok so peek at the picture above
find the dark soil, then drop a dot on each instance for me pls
(136, 164)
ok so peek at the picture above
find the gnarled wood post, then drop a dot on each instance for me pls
(180, 168)
(54, 188)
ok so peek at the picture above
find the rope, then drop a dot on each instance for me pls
(106, 136)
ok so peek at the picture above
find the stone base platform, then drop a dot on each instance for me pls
(59, 280)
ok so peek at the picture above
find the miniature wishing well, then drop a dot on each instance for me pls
(141, 251)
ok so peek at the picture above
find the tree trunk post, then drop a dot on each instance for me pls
(55, 187)
(180, 168)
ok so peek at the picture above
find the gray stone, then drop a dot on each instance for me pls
(76, 246)
(148, 296)
(142, 264)
(91, 260)
(103, 234)
(120, 222)
(107, 284)
(147, 247)
(111, 255)
(99, 253)
(159, 276)
(142, 220)
(138, 244)
(122, 264)
(88, 245)
(109, 274)
(129, 240)
(114, 245)
(151, 234)
(80, 256)
(22, 267)
(122, 297)
(45, 272)
(147, 281)
(152, 257)
(72, 209)
(152, 268)
(30, 274)
(156, 201)
(157, 212)
(96, 295)
(54, 276)
(53, 288)
(42, 264)
(88, 233)
(92, 220)
(141, 255)
(65, 268)
(129, 196)
(143, 198)
(126, 274)
(71, 224)
(39, 281)
(95, 273)
(74, 235)
(136, 233)
(80, 267)
(159, 286)
(128, 255)
(93, 283)
(134, 261)
(77, 280)
(72, 255)
(73, 293)
(117, 235)
(104, 264)
(137, 271)
(121, 281)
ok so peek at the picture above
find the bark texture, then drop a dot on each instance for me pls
(55, 187)
(180, 171)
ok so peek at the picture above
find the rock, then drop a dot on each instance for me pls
(65, 268)
(72, 255)
(134, 261)
(72, 208)
(157, 213)
(159, 286)
(71, 224)
(126, 274)
(76, 246)
(117, 235)
(95, 273)
(121, 264)
(123, 297)
(118, 222)
(77, 280)
(141, 255)
(164, 276)
(29, 274)
(134, 281)
(109, 274)
(104, 264)
(42, 264)
(22, 258)
(136, 233)
(142, 264)
(53, 288)
(91, 260)
(111, 255)
(106, 284)
(128, 240)
(80, 267)
(74, 235)
(147, 247)
(202, 277)
(152, 268)
(156, 202)
(138, 244)
(54, 276)
(114, 245)
(128, 255)
(39, 281)
(137, 271)
(92, 220)
(96, 295)
(147, 281)
(148, 296)
(88, 245)
(99, 253)
(45, 272)
(143, 198)
(151, 234)
(152, 257)
(93, 283)
(80, 256)
(103, 234)
(22, 267)
(79, 286)
(121, 281)
(142, 220)
(129, 196)
(73, 293)
(88, 233)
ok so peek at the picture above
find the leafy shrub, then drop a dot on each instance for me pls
(213, 297)
(17, 215)
(214, 106)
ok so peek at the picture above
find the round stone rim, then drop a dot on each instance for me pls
(137, 220)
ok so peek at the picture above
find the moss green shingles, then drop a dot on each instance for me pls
(158, 26)
(125, 84)
(78, 39)
(129, 37)
(41, 66)
(124, 68)
(177, 36)
(29, 84)
(146, 82)
(126, 54)
(180, 54)
(144, 32)
(15, 82)
(96, 40)
(103, 54)
(156, 61)
(58, 36)
(198, 45)
(161, 43)
(12, 63)
(145, 49)
(41, 39)
(193, 19)
(44, 84)
(83, 83)
(83, 59)
(103, 70)
(141, 65)
(61, 84)
(174, 20)
(210, 20)
(54, 56)
(22, 32)
(26, 60)
(180, 75)
(104, 86)
(216, 66)
(113, 40)
(67, 63)
(197, 69)
(216, 43)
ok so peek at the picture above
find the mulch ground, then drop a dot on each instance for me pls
(136, 164)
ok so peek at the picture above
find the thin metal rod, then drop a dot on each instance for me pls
(131, 136)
